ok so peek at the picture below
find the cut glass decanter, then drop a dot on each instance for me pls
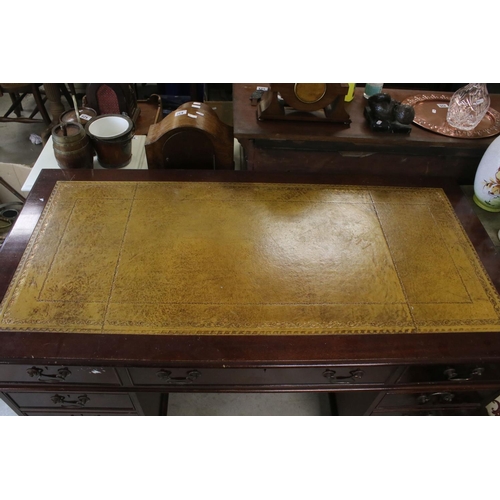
(468, 106)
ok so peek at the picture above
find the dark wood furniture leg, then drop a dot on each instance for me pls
(164, 404)
(56, 108)
(18, 108)
(41, 105)
(66, 94)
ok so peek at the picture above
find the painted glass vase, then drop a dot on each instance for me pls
(468, 106)
(487, 180)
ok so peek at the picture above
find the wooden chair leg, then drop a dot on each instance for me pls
(55, 106)
(17, 102)
(66, 94)
(40, 105)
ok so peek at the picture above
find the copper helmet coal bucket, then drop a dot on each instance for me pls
(111, 136)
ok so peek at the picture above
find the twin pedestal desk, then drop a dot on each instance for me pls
(119, 287)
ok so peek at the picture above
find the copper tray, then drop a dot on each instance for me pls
(431, 110)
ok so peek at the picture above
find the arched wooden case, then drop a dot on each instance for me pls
(192, 136)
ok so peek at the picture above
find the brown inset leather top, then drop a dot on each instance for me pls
(184, 258)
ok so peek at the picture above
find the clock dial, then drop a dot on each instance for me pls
(309, 93)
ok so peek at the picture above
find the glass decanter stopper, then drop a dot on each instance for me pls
(468, 106)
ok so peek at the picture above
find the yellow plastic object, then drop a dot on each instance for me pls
(350, 95)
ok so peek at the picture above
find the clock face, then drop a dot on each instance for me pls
(309, 93)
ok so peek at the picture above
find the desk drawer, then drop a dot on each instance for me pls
(219, 377)
(71, 401)
(50, 374)
(455, 374)
(441, 399)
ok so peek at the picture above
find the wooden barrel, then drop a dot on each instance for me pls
(85, 115)
(72, 148)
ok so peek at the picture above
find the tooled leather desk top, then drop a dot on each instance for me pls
(184, 258)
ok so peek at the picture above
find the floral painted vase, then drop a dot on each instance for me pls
(487, 181)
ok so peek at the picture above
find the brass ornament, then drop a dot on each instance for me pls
(309, 93)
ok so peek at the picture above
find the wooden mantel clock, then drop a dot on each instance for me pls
(305, 101)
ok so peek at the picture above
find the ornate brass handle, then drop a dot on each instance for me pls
(343, 379)
(62, 373)
(166, 376)
(452, 374)
(82, 400)
(445, 397)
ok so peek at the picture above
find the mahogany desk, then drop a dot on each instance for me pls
(283, 146)
(60, 373)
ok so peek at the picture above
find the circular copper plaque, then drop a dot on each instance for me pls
(309, 93)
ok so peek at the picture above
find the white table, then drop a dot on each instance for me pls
(48, 160)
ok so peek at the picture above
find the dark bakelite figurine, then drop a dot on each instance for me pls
(384, 114)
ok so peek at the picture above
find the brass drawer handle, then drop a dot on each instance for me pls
(82, 400)
(36, 372)
(166, 376)
(444, 397)
(452, 375)
(343, 379)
